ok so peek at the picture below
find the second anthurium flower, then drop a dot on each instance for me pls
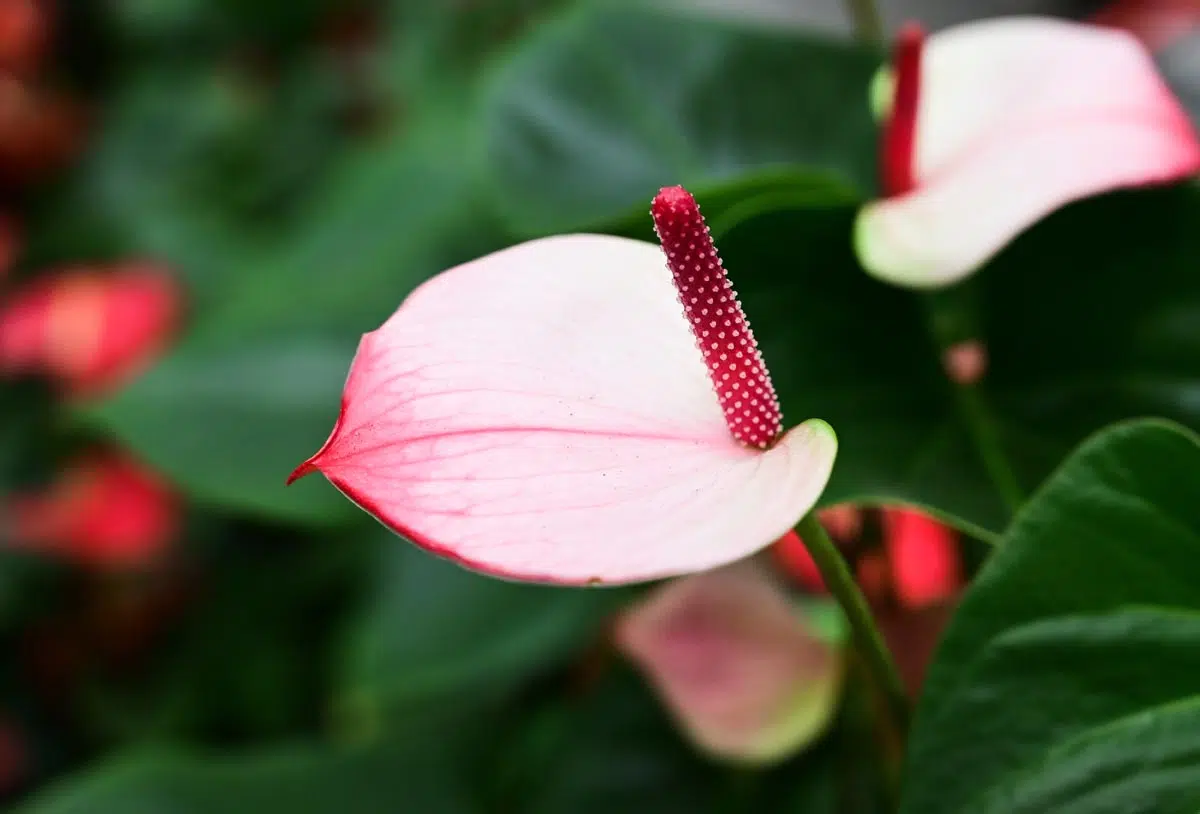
(578, 409)
(991, 126)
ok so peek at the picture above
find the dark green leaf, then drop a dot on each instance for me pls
(434, 633)
(286, 781)
(1066, 682)
(598, 110)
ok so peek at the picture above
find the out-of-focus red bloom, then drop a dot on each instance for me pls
(10, 242)
(104, 510)
(40, 129)
(89, 330)
(24, 35)
(874, 575)
(13, 757)
(843, 522)
(1157, 23)
(913, 636)
(924, 558)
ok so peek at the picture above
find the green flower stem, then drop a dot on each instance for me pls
(982, 427)
(868, 25)
(870, 643)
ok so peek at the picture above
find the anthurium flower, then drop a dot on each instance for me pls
(992, 125)
(739, 667)
(577, 409)
(104, 509)
(89, 329)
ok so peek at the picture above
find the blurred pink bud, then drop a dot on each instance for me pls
(89, 330)
(924, 557)
(992, 125)
(103, 510)
(544, 413)
(735, 662)
(1157, 23)
(966, 362)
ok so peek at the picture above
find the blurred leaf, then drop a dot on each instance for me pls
(611, 746)
(612, 750)
(1067, 680)
(433, 633)
(430, 49)
(296, 780)
(229, 427)
(254, 388)
(598, 110)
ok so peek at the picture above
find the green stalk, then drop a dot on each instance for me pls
(868, 640)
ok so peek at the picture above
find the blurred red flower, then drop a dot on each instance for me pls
(924, 558)
(24, 35)
(920, 563)
(104, 509)
(87, 329)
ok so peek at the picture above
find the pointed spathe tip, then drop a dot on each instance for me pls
(306, 468)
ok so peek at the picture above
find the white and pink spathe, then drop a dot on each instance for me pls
(992, 125)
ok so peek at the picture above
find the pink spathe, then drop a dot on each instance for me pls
(1017, 117)
(543, 414)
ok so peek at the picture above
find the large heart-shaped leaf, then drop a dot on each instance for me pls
(1067, 680)
(607, 104)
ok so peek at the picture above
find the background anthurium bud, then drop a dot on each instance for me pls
(1007, 120)
(104, 509)
(88, 329)
(748, 678)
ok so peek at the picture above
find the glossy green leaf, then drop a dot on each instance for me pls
(432, 632)
(1067, 680)
(300, 780)
(601, 108)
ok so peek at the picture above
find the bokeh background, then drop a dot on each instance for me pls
(203, 204)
